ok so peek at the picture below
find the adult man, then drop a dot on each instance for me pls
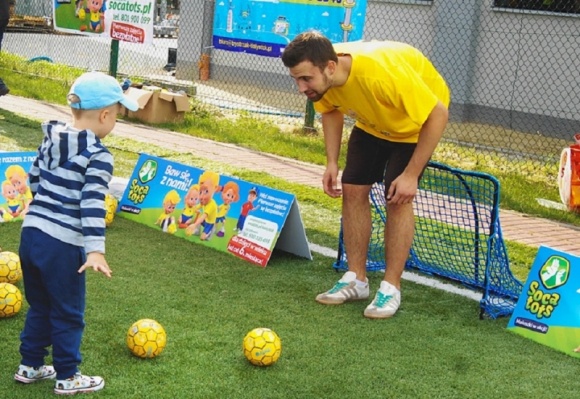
(400, 104)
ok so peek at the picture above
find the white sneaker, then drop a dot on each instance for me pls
(386, 302)
(345, 290)
(27, 374)
(78, 383)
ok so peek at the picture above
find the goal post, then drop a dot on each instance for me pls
(457, 235)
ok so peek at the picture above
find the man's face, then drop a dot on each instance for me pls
(311, 81)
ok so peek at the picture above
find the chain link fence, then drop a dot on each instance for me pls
(513, 67)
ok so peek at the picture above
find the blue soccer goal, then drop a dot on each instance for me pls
(457, 235)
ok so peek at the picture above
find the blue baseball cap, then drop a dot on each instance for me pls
(97, 90)
(256, 190)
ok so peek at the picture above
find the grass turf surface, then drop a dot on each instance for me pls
(435, 347)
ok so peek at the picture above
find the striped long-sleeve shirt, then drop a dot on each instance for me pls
(69, 180)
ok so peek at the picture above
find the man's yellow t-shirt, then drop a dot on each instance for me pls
(391, 89)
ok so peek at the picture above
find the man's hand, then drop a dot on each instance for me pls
(402, 190)
(330, 181)
(97, 262)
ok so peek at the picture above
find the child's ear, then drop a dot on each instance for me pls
(104, 114)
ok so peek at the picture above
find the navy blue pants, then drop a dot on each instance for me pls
(55, 293)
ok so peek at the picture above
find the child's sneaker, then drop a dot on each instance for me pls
(78, 383)
(27, 374)
(386, 302)
(345, 290)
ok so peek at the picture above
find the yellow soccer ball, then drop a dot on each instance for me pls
(10, 271)
(146, 338)
(111, 205)
(262, 347)
(10, 300)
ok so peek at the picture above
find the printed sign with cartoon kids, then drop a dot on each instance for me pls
(204, 207)
(547, 309)
(15, 190)
(121, 21)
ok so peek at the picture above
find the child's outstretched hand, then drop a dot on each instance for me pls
(97, 262)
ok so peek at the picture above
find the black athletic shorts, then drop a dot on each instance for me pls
(370, 159)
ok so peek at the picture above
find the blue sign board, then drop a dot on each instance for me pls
(548, 309)
(266, 27)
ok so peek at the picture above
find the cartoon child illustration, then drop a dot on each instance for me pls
(96, 9)
(166, 220)
(11, 195)
(230, 194)
(18, 177)
(191, 208)
(208, 186)
(247, 207)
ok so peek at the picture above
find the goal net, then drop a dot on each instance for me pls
(457, 235)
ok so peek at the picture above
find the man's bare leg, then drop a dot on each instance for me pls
(356, 225)
(399, 232)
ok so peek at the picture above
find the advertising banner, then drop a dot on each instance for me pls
(124, 20)
(265, 27)
(16, 194)
(222, 212)
(548, 309)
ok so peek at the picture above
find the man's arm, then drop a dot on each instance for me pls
(332, 125)
(429, 137)
(404, 187)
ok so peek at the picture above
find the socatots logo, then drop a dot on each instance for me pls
(541, 301)
(554, 272)
(148, 171)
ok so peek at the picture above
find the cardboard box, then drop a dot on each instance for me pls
(157, 105)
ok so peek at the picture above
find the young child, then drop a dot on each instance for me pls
(63, 233)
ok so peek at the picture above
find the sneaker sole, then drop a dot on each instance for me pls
(331, 301)
(377, 316)
(79, 390)
(26, 380)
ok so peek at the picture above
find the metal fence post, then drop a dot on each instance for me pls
(309, 117)
(113, 60)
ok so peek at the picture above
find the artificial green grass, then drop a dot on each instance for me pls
(435, 347)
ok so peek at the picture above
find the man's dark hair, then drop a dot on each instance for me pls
(310, 46)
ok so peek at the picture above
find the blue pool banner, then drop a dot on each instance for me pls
(228, 214)
(548, 309)
(16, 194)
(266, 27)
